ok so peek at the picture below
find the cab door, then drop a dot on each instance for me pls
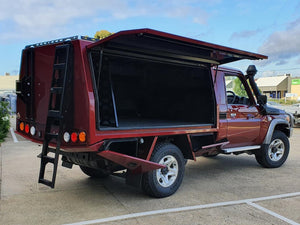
(243, 118)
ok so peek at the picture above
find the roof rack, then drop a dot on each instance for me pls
(60, 40)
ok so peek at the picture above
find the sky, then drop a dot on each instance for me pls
(269, 27)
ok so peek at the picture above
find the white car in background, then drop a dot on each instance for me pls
(294, 110)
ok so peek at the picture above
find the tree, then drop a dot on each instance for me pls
(102, 34)
(238, 88)
(4, 120)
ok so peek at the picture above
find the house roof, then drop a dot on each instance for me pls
(270, 81)
(8, 83)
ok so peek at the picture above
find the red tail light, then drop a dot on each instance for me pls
(74, 137)
(27, 128)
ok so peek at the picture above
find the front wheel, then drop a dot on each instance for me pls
(164, 182)
(276, 153)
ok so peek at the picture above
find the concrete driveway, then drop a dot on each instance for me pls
(221, 190)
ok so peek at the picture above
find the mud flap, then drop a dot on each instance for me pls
(133, 179)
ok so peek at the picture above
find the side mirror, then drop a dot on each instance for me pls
(262, 99)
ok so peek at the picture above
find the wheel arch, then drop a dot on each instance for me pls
(182, 142)
(277, 124)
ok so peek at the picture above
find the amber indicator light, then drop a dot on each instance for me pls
(22, 126)
(82, 136)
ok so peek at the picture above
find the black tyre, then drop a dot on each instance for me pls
(94, 173)
(164, 182)
(276, 153)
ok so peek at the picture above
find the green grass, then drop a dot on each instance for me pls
(282, 101)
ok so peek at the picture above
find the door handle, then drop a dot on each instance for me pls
(232, 115)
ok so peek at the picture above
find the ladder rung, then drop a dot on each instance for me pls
(67, 164)
(59, 66)
(56, 90)
(51, 149)
(46, 182)
(48, 159)
(51, 136)
(54, 114)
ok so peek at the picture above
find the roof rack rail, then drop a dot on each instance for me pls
(89, 38)
(60, 40)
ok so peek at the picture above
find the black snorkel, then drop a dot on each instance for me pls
(261, 99)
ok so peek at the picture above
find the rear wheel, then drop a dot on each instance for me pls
(164, 182)
(94, 173)
(276, 153)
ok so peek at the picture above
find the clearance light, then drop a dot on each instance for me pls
(74, 137)
(67, 137)
(32, 130)
(22, 126)
(27, 128)
(82, 136)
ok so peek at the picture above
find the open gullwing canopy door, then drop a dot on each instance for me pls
(144, 78)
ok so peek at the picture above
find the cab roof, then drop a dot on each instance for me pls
(160, 44)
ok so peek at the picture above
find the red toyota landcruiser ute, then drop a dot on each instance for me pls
(143, 102)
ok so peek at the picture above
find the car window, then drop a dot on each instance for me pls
(235, 91)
